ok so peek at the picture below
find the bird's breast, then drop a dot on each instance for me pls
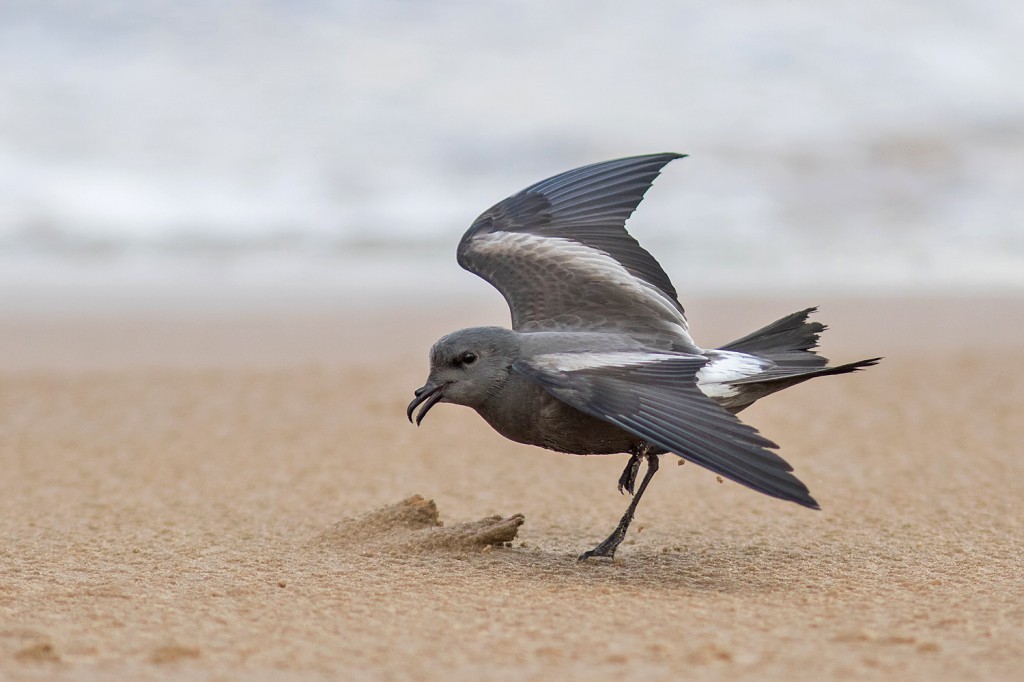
(524, 412)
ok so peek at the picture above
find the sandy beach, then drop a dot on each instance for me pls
(225, 496)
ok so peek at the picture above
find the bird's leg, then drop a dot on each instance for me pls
(611, 543)
(628, 477)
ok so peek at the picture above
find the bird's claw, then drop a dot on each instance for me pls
(627, 480)
(606, 550)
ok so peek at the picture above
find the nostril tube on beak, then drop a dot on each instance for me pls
(427, 395)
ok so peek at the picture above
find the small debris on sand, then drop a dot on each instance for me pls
(173, 653)
(413, 525)
(40, 652)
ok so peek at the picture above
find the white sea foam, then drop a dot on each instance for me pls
(845, 146)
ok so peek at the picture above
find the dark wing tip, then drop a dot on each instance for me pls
(804, 499)
(606, 191)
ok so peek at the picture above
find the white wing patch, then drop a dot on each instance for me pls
(572, 362)
(725, 366)
(557, 253)
(712, 379)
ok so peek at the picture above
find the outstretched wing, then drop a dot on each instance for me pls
(655, 396)
(559, 253)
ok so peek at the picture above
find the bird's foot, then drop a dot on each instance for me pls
(628, 478)
(606, 550)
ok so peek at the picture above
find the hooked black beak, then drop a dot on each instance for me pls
(428, 396)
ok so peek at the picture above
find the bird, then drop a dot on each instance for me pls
(599, 359)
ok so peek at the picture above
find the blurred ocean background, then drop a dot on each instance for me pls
(158, 151)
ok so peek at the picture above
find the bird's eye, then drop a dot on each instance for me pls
(467, 358)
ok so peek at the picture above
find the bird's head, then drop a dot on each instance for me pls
(466, 368)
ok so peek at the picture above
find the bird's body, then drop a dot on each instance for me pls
(599, 359)
(523, 411)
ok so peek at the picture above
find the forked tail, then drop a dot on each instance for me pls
(790, 344)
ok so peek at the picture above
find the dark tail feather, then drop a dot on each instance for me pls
(789, 343)
(789, 377)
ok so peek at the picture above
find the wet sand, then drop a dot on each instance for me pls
(210, 496)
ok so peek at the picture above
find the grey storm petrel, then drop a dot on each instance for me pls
(599, 359)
